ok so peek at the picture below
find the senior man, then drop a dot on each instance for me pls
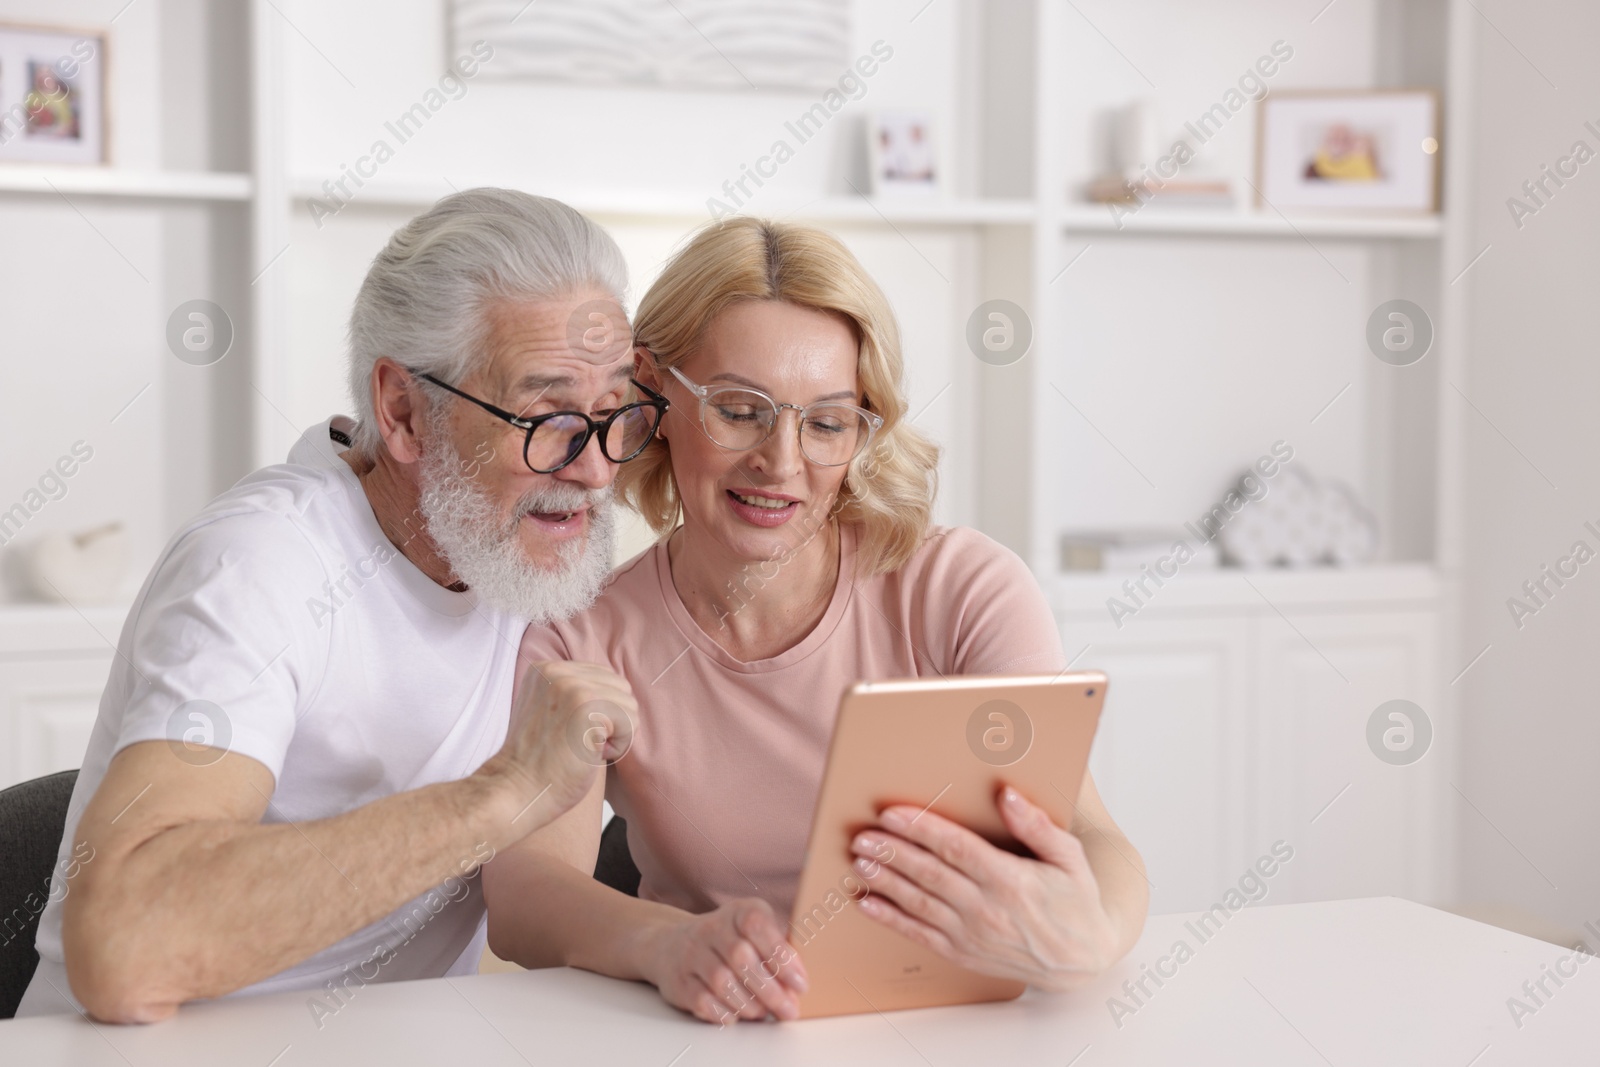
(308, 743)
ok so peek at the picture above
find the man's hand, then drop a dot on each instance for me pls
(568, 721)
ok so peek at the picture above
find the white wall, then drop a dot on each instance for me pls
(571, 138)
(1531, 706)
(581, 141)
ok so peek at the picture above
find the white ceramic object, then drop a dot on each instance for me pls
(82, 568)
(1352, 530)
(1301, 522)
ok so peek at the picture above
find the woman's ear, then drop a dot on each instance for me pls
(644, 369)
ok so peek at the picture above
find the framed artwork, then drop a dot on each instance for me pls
(686, 44)
(902, 153)
(52, 95)
(1375, 151)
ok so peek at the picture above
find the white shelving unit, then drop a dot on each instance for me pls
(931, 210)
(101, 256)
(1097, 219)
(113, 182)
(1229, 588)
(1237, 698)
(1404, 253)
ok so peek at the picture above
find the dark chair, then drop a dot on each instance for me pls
(614, 866)
(33, 816)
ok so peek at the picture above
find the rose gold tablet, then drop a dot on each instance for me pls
(947, 745)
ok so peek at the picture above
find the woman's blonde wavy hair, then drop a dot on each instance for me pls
(888, 491)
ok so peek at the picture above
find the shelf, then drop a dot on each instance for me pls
(133, 184)
(931, 210)
(31, 630)
(1223, 222)
(1226, 589)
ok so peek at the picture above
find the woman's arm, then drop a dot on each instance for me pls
(546, 910)
(1118, 869)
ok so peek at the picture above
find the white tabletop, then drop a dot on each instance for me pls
(1380, 981)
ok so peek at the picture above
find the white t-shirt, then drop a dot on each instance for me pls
(312, 645)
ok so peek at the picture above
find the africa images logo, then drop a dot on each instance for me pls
(999, 732)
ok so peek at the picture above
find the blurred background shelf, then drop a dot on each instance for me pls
(29, 629)
(127, 184)
(54, 661)
(1100, 219)
(1229, 588)
(419, 193)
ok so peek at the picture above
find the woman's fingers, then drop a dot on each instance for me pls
(732, 970)
(930, 872)
(1033, 826)
(731, 999)
(761, 927)
(755, 970)
(708, 1007)
(760, 993)
(959, 848)
(912, 898)
(890, 915)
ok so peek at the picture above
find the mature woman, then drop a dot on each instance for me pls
(805, 561)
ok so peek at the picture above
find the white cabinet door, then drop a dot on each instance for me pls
(47, 711)
(1360, 826)
(1170, 758)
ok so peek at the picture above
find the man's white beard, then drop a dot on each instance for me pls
(483, 546)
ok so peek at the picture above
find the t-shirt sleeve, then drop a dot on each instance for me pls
(540, 644)
(228, 645)
(986, 609)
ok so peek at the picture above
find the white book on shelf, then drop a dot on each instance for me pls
(1129, 550)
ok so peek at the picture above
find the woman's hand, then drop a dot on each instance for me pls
(1037, 920)
(730, 964)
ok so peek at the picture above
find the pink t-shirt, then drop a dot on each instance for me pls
(720, 783)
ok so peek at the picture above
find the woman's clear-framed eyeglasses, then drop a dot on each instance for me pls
(736, 417)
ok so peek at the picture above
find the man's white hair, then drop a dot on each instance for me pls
(425, 298)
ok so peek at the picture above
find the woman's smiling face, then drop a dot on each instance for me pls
(768, 499)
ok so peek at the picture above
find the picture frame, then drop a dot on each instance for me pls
(902, 151)
(1349, 150)
(53, 107)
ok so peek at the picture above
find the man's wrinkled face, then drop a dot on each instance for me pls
(537, 545)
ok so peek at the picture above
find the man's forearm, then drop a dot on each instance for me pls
(206, 908)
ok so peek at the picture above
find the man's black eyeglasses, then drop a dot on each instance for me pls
(556, 439)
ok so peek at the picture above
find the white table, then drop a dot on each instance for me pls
(1358, 982)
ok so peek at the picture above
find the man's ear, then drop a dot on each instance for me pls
(399, 420)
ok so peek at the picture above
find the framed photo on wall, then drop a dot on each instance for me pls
(902, 153)
(52, 95)
(1345, 150)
